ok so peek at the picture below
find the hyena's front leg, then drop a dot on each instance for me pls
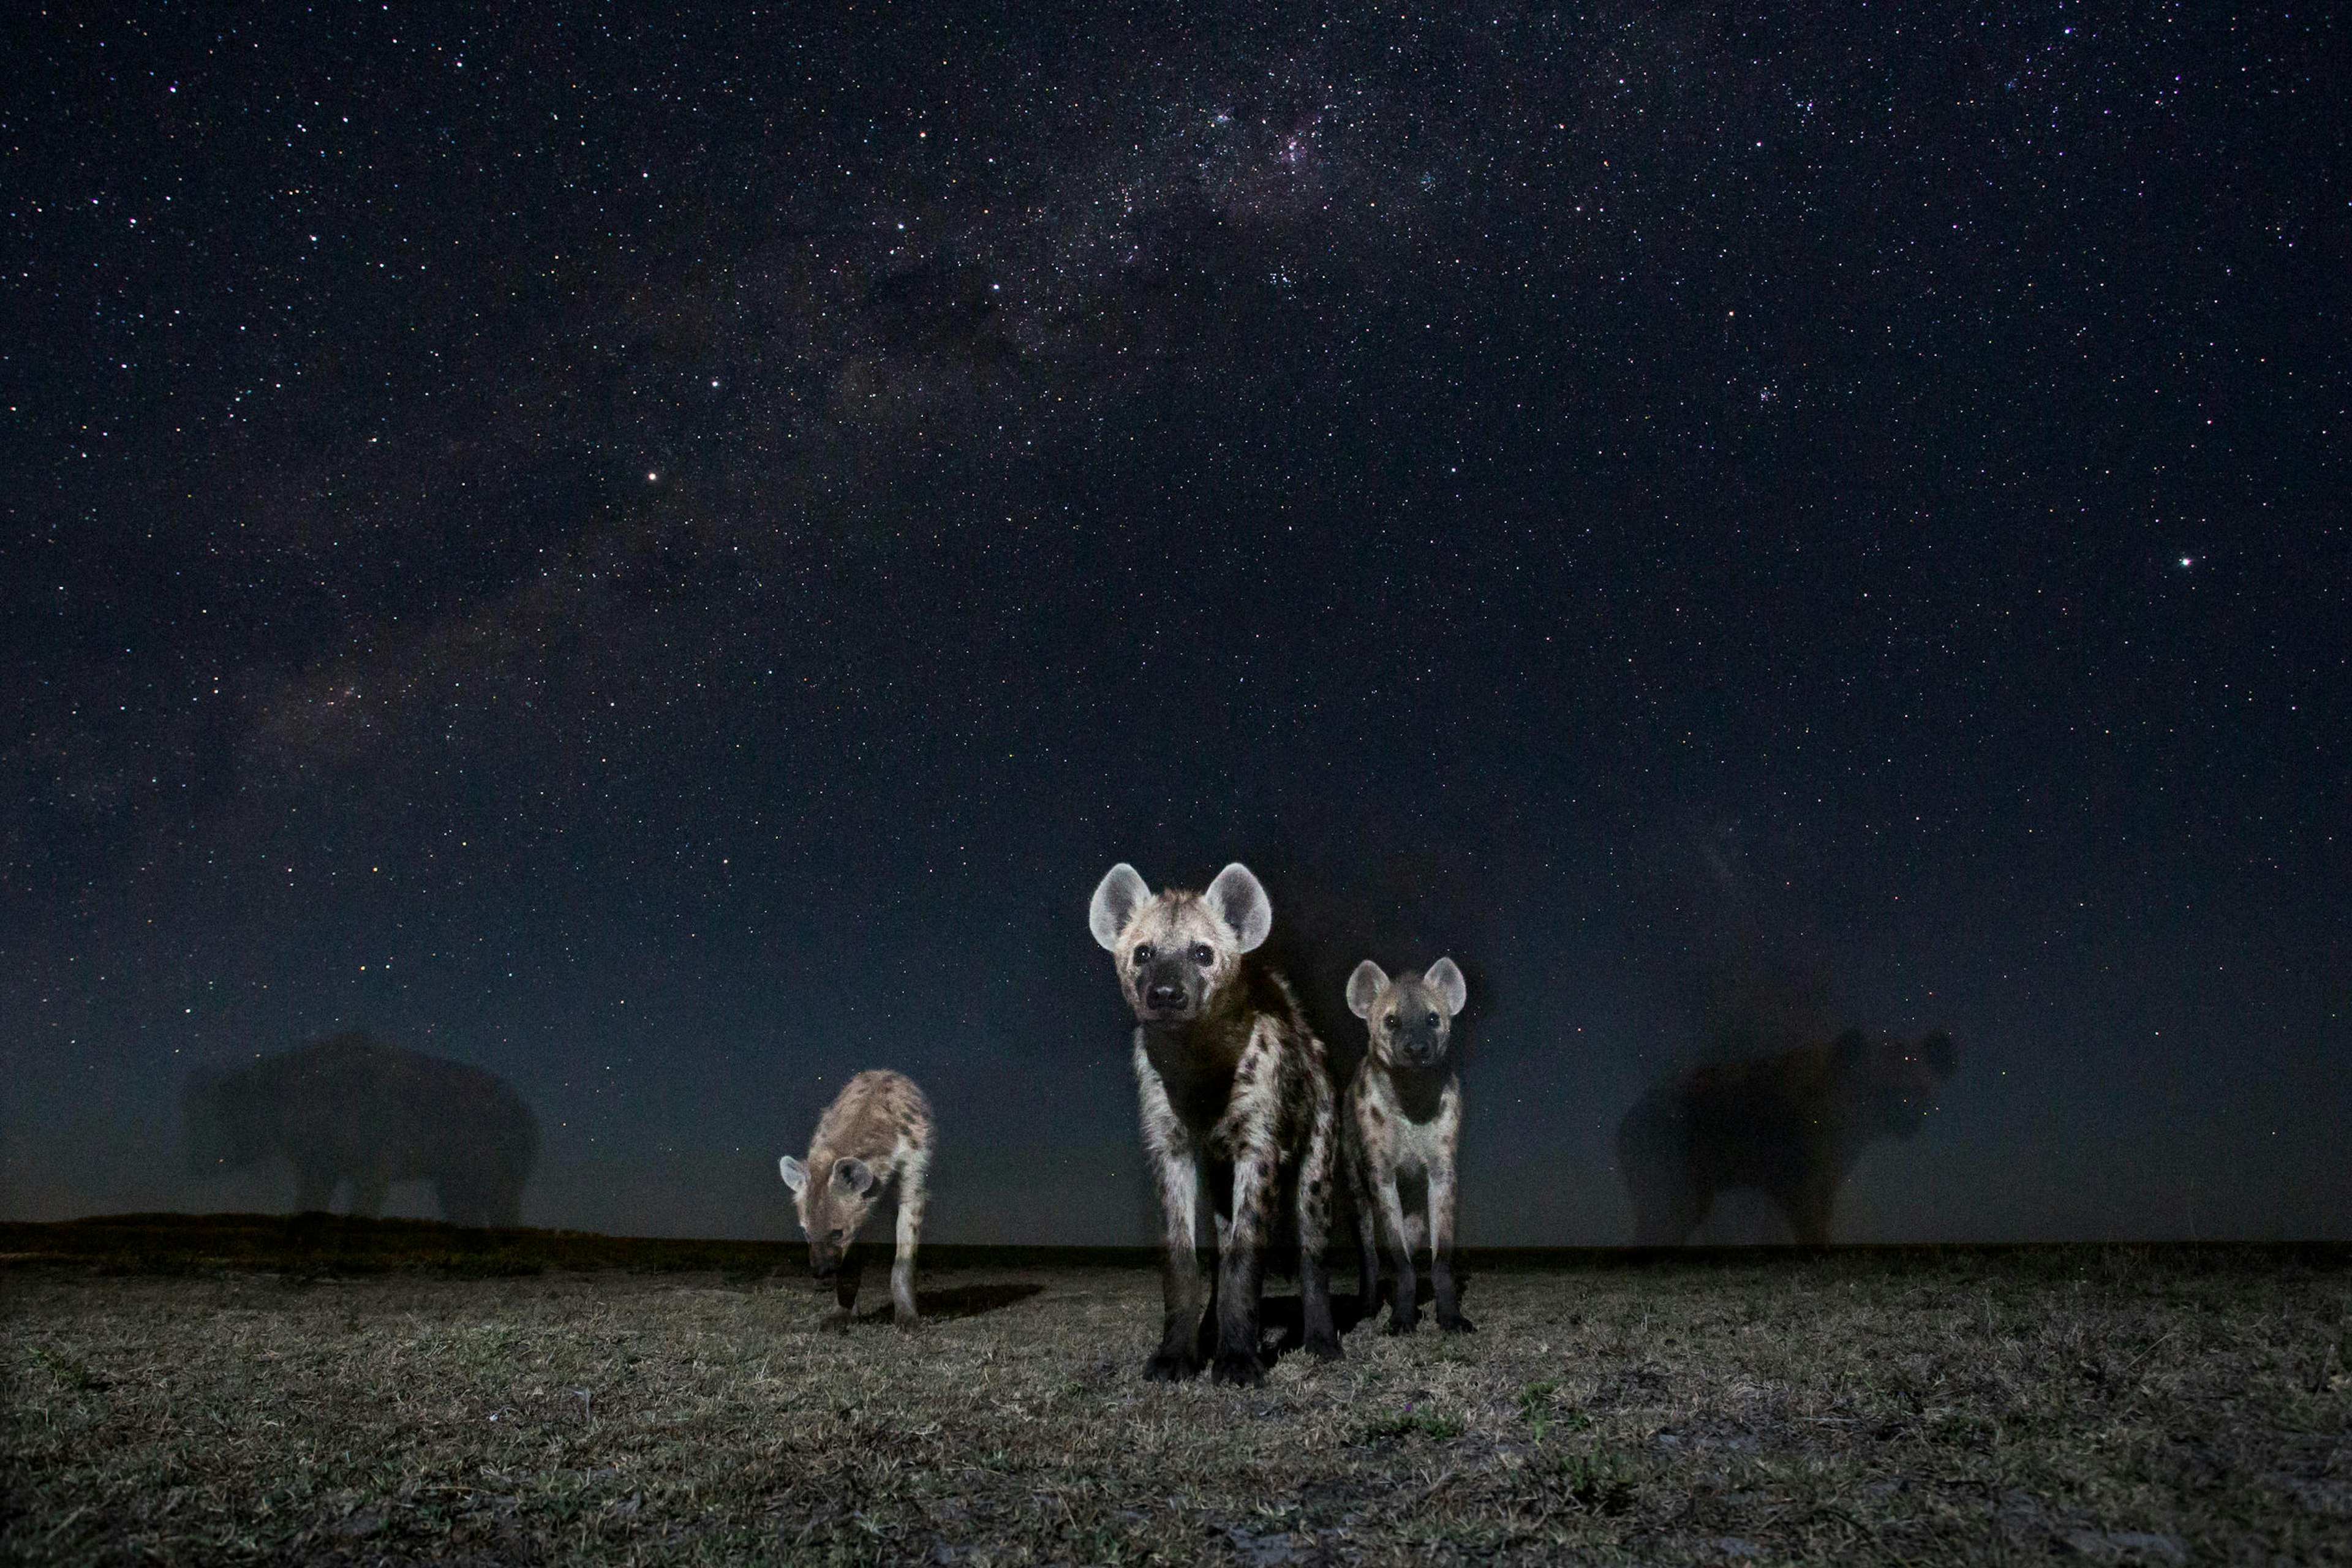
(1440, 1247)
(911, 1194)
(1182, 1289)
(844, 1288)
(1314, 1199)
(1404, 1306)
(1241, 1271)
(1176, 1170)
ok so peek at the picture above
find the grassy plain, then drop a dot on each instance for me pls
(396, 1393)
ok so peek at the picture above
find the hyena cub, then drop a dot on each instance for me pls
(1233, 1090)
(875, 1133)
(1402, 1121)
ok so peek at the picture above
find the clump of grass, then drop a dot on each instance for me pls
(1414, 1419)
(1535, 1400)
(1598, 1480)
(71, 1370)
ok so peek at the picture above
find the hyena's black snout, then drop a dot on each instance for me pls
(1421, 1047)
(1167, 992)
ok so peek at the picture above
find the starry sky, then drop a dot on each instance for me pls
(663, 555)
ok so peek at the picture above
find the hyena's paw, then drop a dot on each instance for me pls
(1323, 1347)
(1241, 1368)
(1403, 1320)
(1457, 1324)
(906, 1321)
(1171, 1366)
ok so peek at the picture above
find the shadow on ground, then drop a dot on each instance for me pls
(956, 1301)
(1284, 1316)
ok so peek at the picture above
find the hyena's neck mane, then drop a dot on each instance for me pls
(1418, 1092)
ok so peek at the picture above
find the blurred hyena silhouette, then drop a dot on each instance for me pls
(1790, 1126)
(349, 1109)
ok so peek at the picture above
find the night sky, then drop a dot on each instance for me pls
(665, 557)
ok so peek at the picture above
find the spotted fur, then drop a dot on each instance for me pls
(1402, 1123)
(1789, 1126)
(1236, 1097)
(875, 1136)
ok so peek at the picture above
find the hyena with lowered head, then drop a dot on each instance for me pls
(876, 1134)
(1233, 1090)
(1402, 1121)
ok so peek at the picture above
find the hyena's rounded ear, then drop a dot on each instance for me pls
(1118, 896)
(795, 1175)
(1364, 988)
(1239, 899)
(1445, 977)
(854, 1175)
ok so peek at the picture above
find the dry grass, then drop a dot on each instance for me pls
(2122, 1405)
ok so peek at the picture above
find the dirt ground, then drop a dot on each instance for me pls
(2114, 1404)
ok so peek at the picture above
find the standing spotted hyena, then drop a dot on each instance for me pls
(876, 1134)
(1400, 1123)
(1233, 1090)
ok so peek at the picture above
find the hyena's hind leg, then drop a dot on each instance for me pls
(913, 1190)
(1315, 1170)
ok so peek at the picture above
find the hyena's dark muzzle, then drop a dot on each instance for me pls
(1168, 989)
(825, 1255)
(1421, 1044)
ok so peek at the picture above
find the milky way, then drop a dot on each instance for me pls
(664, 560)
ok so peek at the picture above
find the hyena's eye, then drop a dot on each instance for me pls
(1143, 954)
(1390, 1021)
(1432, 1020)
(1203, 954)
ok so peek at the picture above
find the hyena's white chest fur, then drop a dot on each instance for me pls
(1414, 1148)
